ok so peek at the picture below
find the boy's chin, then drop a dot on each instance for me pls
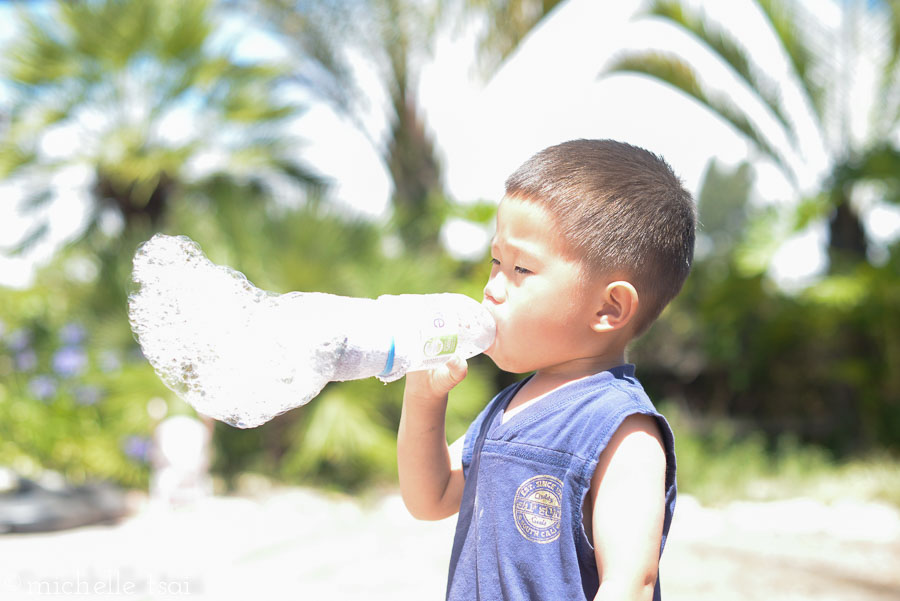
(495, 356)
(505, 363)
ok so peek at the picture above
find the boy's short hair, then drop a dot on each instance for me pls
(619, 208)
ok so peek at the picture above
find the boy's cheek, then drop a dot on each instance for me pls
(505, 349)
(489, 351)
(494, 351)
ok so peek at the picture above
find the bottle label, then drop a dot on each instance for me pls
(438, 340)
(440, 345)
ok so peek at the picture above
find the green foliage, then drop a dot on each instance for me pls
(161, 63)
(779, 370)
(718, 463)
(510, 22)
(342, 438)
(815, 365)
(146, 91)
(818, 79)
(73, 389)
(345, 437)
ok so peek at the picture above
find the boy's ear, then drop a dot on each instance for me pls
(618, 306)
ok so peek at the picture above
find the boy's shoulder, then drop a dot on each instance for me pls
(573, 423)
(606, 390)
(593, 404)
(615, 387)
(605, 398)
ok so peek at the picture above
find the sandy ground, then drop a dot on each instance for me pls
(302, 545)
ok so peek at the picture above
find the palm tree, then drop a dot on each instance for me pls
(822, 63)
(395, 37)
(143, 97)
(117, 74)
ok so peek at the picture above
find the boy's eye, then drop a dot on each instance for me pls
(517, 269)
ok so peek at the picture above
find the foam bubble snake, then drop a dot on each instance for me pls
(244, 355)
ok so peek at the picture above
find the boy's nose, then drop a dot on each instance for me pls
(494, 291)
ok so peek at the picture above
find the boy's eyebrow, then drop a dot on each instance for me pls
(520, 249)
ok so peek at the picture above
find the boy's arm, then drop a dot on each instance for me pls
(431, 486)
(628, 508)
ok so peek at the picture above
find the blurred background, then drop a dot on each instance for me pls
(359, 147)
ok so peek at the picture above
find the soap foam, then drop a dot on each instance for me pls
(219, 342)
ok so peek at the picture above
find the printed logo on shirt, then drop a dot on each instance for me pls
(537, 508)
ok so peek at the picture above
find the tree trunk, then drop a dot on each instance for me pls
(133, 201)
(847, 240)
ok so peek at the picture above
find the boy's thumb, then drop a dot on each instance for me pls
(453, 372)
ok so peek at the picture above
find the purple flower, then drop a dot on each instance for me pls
(26, 360)
(137, 447)
(88, 394)
(69, 361)
(19, 340)
(72, 334)
(42, 387)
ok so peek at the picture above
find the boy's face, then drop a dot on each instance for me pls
(536, 292)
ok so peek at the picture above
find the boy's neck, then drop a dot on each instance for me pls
(548, 379)
(555, 376)
(581, 368)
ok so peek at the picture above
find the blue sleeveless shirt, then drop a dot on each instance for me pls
(519, 534)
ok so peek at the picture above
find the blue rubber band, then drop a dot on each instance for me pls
(389, 364)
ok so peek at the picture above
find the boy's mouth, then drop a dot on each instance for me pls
(490, 309)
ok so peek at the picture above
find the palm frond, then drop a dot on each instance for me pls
(36, 201)
(40, 55)
(13, 157)
(510, 21)
(672, 70)
(799, 54)
(111, 34)
(36, 235)
(184, 34)
(316, 30)
(889, 89)
(723, 45)
(297, 172)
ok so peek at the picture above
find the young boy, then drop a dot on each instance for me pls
(565, 484)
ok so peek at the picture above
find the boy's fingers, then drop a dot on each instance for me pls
(437, 383)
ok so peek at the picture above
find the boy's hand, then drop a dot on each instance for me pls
(434, 385)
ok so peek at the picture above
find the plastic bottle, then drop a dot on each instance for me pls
(411, 332)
